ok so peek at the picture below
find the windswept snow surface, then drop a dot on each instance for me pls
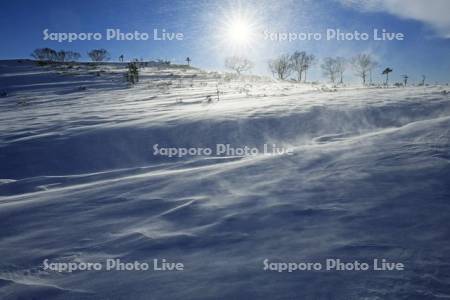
(368, 178)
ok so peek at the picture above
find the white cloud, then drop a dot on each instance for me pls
(434, 13)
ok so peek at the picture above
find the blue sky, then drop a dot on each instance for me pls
(425, 49)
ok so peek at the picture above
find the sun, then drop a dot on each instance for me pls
(239, 31)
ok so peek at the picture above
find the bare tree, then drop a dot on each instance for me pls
(238, 64)
(386, 72)
(72, 56)
(301, 62)
(38, 54)
(298, 60)
(362, 65)
(405, 79)
(309, 61)
(281, 66)
(98, 55)
(61, 56)
(330, 68)
(133, 73)
(64, 56)
(44, 54)
(341, 64)
(422, 83)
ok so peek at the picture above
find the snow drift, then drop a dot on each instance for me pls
(79, 182)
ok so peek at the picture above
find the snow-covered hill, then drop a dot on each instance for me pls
(369, 178)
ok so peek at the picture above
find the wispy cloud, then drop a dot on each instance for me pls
(434, 13)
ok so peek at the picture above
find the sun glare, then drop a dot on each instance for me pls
(238, 31)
